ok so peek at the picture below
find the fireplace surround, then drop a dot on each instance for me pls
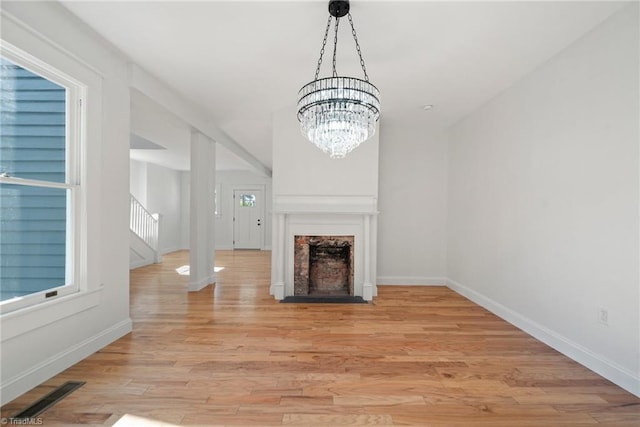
(322, 219)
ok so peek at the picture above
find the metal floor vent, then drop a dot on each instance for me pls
(49, 400)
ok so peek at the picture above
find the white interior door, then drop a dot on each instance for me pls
(248, 220)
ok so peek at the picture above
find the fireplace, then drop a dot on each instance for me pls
(324, 245)
(323, 265)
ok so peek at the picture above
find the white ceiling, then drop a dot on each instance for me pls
(241, 61)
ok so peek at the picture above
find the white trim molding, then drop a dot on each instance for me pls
(411, 281)
(169, 250)
(139, 263)
(20, 322)
(595, 362)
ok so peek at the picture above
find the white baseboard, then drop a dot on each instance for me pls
(52, 366)
(170, 250)
(224, 248)
(199, 285)
(139, 263)
(596, 362)
(412, 281)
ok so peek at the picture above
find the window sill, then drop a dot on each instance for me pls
(21, 321)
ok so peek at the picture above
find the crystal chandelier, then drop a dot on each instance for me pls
(338, 113)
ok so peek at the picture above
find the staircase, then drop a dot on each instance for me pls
(143, 237)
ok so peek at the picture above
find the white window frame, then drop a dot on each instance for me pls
(75, 137)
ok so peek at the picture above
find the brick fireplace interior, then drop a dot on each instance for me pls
(323, 265)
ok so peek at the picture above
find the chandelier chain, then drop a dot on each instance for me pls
(355, 37)
(324, 43)
(335, 47)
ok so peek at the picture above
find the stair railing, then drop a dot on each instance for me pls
(144, 224)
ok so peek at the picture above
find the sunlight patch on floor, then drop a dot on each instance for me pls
(128, 420)
(184, 270)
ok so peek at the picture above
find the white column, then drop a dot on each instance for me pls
(374, 253)
(158, 255)
(201, 231)
(275, 232)
(278, 261)
(211, 212)
(367, 286)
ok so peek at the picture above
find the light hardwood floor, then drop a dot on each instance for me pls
(231, 355)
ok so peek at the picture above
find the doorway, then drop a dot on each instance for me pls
(248, 219)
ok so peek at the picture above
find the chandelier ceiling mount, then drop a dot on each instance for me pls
(338, 8)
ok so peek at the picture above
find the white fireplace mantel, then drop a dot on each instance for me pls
(324, 216)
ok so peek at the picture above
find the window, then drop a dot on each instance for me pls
(39, 181)
(247, 200)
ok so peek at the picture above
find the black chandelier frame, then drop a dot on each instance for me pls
(337, 10)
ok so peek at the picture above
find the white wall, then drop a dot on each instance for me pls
(40, 342)
(164, 197)
(543, 202)
(138, 180)
(185, 204)
(412, 204)
(299, 168)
